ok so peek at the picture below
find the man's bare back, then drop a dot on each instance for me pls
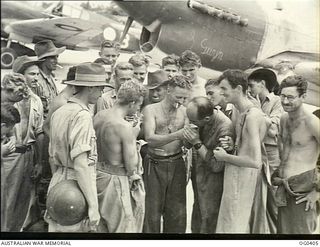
(114, 133)
(300, 144)
(160, 122)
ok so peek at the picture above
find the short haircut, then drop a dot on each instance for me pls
(235, 77)
(130, 91)
(13, 80)
(138, 60)
(212, 82)
(110, 44)
(71, 75)
(295, 81)
(189, 57)
(123, 66)
(9, 114)
(204, 107)
(179, 81)
(258, 76)
(171, 59)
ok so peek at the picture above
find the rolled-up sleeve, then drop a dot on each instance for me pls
(81, 134)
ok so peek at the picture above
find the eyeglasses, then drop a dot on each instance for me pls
(290, 98)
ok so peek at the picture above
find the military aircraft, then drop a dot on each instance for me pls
(229, 34)
(23, 22)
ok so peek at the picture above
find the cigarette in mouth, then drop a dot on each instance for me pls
(59, 66)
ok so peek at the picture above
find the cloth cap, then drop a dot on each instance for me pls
(156, 79)
(23, 62)
(89, 75)
(46, 48)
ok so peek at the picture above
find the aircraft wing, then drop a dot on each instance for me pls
(75, 33)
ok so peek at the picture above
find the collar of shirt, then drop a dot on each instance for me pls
(229, 107)
(46, 76)
(114, 93)
(77, 101)
(270, 96)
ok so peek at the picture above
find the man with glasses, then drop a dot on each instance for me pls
(297, 177)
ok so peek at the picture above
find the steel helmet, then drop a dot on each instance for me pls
(66, 203)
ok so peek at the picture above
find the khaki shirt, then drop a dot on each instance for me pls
(107, 100)
(273, 109)
(48, 90)
(71, 134)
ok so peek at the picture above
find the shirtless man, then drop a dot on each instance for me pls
(165, 174)
(190, 64)
(119, 179)
(298, 187)
(243, 169)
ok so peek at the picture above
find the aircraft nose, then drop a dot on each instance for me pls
(144, 12)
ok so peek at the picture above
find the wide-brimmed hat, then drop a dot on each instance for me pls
(46, 48)
(156, 79)
(89, 75)
(267, 75)
(23, 62)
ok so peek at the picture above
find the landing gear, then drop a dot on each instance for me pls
(8, 55)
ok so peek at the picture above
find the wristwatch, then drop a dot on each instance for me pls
(197, 146)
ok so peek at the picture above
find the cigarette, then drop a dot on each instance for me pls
(59, 66)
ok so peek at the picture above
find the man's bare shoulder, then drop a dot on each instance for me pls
(255, 113)
(101, 114)
(312, 121)
(150, 109)
(123, 128)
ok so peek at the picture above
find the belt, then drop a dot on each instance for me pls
(111, 169)
(168, 157)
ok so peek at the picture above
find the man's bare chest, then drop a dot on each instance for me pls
(170, 122)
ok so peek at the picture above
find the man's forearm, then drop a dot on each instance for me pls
(160, 140)
(131, 167)
(86, 183)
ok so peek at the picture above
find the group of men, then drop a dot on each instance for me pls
(132, 138)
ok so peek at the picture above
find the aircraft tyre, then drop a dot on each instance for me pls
(8, 55)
